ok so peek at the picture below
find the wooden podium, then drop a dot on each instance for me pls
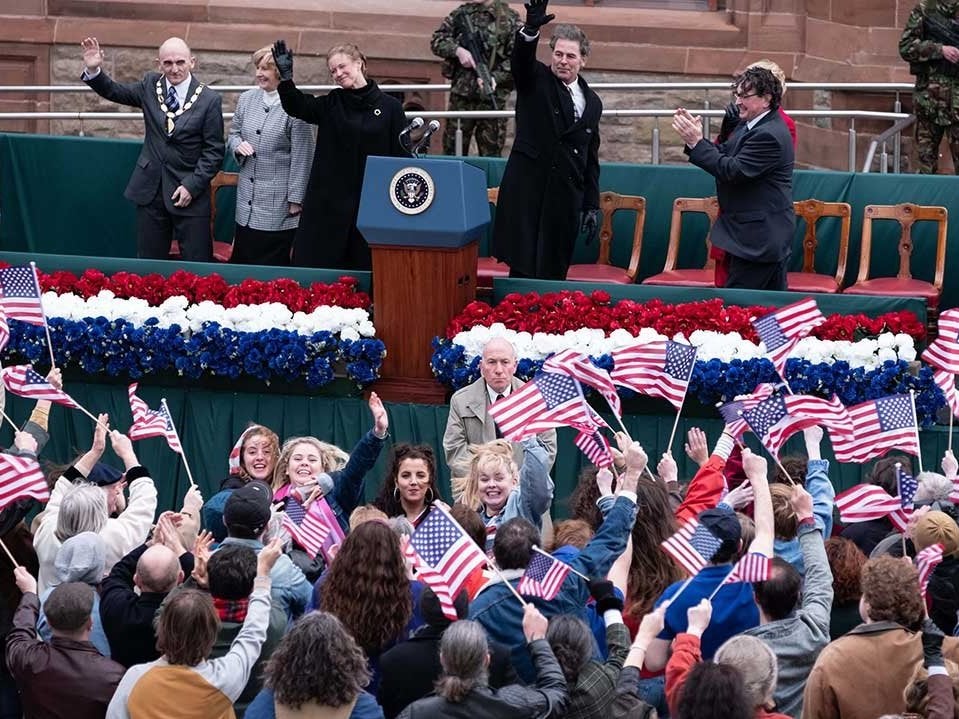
(422, 219)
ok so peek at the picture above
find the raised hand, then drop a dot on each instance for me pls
(25, 442)
(698, 617)
(696, 447)
(950, 467)
(536, 15)
(283, 57)
(381, 422)
(26, 582)
(666, 469)
(604, 480)
(92, 54)
(534, 623)
(740, 496)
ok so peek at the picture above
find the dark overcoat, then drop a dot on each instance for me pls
(552, 172)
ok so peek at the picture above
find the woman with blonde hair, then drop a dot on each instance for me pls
(274, 152)
(309, 470)
(497, 490)
(354, 121)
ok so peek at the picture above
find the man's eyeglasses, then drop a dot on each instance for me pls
(743, 96)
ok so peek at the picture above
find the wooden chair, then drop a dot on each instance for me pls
(222, 251)
(603, 270)
(692, 277)
(488, 268)
(903, 284)
(809, 280)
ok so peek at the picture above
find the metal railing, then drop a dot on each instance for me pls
(900, 121)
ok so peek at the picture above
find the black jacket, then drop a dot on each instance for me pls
(127, 617)
(753, 171)
(552, 172)
(351, 126)
(409, 670)
(943, 595)
(547, 697)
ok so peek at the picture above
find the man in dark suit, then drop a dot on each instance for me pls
(182, 149)
(753, 171)
(550, 189)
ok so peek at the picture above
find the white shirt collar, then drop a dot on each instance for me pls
(182, 88)
(491, 393)
(752, 123)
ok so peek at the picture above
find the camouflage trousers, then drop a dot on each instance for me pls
(928, 138)
(490, 134)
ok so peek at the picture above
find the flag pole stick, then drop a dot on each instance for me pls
(626, 432)
(915, 418)
(682, 588)
(547, 554)
(492, 565)
(46, 327)
(7, 552)
(771, 454)
(186, 465)
(949, 446)
(12, 423)
(679, 411)
(722, 583)
(90, 414)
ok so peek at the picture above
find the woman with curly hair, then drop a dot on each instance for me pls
(410, 487)
(846, 562)
(497, 490)
(368, 589)
(294, 687)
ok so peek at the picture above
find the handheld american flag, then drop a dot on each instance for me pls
(866, 502)
(908, 485)
(753, 567)
(876, 427)
(25, 381)
(444, 556)
(776, 418)
(579, 366)
(926, 562)
(946, 381)
(20, 294)
(151, 422)
(692, 546)
(4, 329)
(311, 533)
(943, 352)
(781, 330)
(661, 368)
(595, 447)
(543, 577)
(21, 477)
(731, 412)
(548, 400)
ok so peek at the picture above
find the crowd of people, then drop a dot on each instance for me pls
(219, 609)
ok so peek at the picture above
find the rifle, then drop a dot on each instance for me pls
(938, 27)
(471, 40)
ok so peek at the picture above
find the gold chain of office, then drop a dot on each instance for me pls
(171, 116)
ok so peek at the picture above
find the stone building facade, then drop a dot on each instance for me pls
(812, 40)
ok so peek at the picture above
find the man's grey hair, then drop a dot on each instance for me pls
(83, 509)
(565, 31)
(755, 661)
(463, 651)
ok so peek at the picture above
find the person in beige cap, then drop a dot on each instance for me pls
(942, 594)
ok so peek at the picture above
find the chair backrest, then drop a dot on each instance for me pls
(812, 211)
(906, 214)
(609, 204)
(708, 206)
(220, 179)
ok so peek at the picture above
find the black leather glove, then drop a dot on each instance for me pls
(536, 15)
(729, 123)
(605, 596)
(932, 637)
(589, 225)
(283, 57)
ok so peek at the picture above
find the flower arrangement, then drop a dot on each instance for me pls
(191, 326)
(856, 357)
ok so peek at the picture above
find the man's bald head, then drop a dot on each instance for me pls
(498, 364)
(175, 60)
(158, 570)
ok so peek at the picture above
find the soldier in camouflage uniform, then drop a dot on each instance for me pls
(496, 24)
(928, 46)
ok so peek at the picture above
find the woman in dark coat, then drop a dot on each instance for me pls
(355, 121)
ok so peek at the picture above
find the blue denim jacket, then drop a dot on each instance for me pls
(348, 483)
(290, 589)
(823, 498)
(534, 495)
(501, 615)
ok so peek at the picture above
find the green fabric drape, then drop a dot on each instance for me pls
(209, 421)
